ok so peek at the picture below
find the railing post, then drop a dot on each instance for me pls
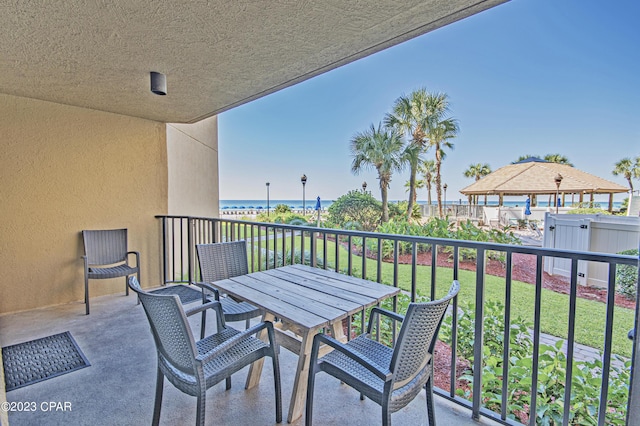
(190, 225)
(314, 241)
(165, 252)
(478, 340)
(633, 403)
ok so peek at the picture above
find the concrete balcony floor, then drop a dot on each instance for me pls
(118, 387)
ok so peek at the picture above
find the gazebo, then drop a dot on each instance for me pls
(533, 176)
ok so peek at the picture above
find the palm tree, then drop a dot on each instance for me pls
(428, 170)
(524, 157)
(557, 158)
(382, 149)
(419, 184)
(629, 169)
(440, 130)
(478, 171)
(409, 117)
(412, 156)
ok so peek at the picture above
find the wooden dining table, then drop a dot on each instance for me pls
(303, 301)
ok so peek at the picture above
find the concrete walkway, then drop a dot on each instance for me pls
(118, 387)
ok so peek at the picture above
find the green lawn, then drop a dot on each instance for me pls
(590, 315)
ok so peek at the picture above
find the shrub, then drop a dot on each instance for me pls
(283, 217)
(627, 277)
(282, 208)
(589, 210)
(586, 375)
(356, 206)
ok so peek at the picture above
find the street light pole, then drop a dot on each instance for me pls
(303, 179)
(268, 199)
(445, 186)
(557, 180)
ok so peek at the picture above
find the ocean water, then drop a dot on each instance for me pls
(311, 203)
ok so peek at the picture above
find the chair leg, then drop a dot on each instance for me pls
(431, 414)
(202, 400)
(386, 415)
(158, 402)
(86, 294)
(308, 421)
(276, 380)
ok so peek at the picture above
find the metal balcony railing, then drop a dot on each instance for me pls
(379, 257)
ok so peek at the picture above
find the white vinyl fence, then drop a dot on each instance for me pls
(595, 233)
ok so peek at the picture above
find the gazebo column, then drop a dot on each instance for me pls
(611, 202)
(500, 199)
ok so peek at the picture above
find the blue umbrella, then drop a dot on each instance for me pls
(318, 208)
(527, 207)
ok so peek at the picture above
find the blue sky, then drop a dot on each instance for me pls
(526, 77)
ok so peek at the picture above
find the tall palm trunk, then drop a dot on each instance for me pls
(412, 190)
(385, 200)
(438, 186)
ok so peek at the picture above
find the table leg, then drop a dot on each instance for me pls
(253, 378)
(337, 331)
(299, 394)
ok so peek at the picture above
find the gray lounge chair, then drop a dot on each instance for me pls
(193, 367)
(391, 377)
(106, 256)
(220, 261)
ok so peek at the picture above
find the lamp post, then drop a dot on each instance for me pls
(364, 186)
(445, 186)
(557, 180)
(268, 199)
(303, 179)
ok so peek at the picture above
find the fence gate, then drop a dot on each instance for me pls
(566, 234)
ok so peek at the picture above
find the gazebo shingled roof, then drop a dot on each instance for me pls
(535, 176)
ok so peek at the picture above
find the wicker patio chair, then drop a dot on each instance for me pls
(391, 377)
(193, 367)
(220, 261)
(106, 256)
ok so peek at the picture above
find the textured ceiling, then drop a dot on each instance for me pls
(216, 54)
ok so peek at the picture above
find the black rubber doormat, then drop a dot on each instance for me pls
(41, 359)
(185, 293)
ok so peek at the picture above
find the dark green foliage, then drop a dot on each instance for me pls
(356, 207)
(440, 228)
(282, 208)
(586, 375)
(627, 277)
(283, 217)
(588, 210)
(286, 260)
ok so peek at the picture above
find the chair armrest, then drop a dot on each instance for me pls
(229, 344)
(205, 286)
(382, 372)
(379, 311)
(137, 254)
(214, 304)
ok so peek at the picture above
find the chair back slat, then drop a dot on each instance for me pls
(220, 261)
(169, 326)
(417, 337)
(105, 247)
